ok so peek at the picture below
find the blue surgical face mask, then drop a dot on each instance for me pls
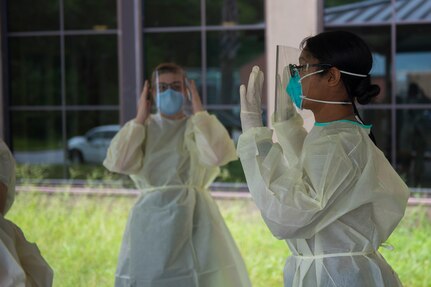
(170, 102)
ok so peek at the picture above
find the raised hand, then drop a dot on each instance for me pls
(144, 105)
(251, 104)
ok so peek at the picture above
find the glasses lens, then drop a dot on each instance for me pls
(176, 87)
(163, 87)
(293, 70)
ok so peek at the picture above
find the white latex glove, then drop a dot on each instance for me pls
(284, 108)
(251, 107)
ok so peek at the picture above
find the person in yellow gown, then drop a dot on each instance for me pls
(330, 193)
(175, 234)
(21, 263)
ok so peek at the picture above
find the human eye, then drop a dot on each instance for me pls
(163, 87)
(177, 87)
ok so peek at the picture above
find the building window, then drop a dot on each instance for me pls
(62, 78)
(217, 42)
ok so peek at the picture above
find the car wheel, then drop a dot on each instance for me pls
(76, 157)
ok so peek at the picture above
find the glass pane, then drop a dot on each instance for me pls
(183, 49)
(37, 137)
(171, 13)
(36, 15)
(382, 127)
(413, 64)
(91, 70)
(89, 135)
(230, 118)
(231, 56)
(35, 71)
(234, 12)
(414, 147)
(379, 41)
(83, 14)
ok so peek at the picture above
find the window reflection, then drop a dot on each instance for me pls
(35, 71)
(414, 146)
(37, 137)
(382, 125)
(171, 13)
(234, 12)
(89, 135)
(84, 14)
(230, 118)
(231, 56)
(91, 70)
(182, 48)
(35, 15)
(413, 64)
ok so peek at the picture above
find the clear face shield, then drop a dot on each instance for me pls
(172, 93)
(290, 74)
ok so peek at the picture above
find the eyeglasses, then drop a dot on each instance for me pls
(176, 86)
(296, 69)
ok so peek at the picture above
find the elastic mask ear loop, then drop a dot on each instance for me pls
(311, 74)
(320, 101)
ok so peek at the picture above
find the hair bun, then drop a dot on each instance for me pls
(366, 91)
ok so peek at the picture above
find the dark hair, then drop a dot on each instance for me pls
(347, 52)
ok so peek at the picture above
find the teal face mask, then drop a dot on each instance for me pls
(170, 102)
(294, 90)
(294, 87)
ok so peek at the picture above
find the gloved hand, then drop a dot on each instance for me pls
(284, 108)
(251, 107)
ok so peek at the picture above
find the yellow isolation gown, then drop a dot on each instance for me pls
(175, 235)
(21, 264)
(331, 195)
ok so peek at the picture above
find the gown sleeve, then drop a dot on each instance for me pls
(291, 135)
(294, 198)
(125, 153)
(213, 143)
(7, 174)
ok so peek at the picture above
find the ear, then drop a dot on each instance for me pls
(334, 77)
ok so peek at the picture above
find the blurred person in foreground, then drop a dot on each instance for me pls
(21, 263)
(330, 193)
(175, 235)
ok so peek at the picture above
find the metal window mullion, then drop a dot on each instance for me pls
(203, 26)
(63, 32)
(129, 56)
(204, 53)
(394, 86)
(63, 88)
(138, 47)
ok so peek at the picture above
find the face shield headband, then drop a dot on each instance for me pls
(294, 87)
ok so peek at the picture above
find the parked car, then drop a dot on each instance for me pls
(92, 147)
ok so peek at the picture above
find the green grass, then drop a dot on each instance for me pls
(231, 172)
(80, 238)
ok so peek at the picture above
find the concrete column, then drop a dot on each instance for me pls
(130, 56)
(288, 22)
